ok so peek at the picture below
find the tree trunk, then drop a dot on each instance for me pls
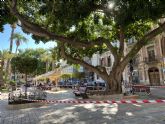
(26, 85)
(114, 81)
(47, 66)
(13, 26)
(16, 50)
(1, 77)
(115, 84)
(53, 65)
(1, 74)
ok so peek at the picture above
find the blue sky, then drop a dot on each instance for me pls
(5, 40)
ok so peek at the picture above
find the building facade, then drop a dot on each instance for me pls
(149, 63)
(69, 69)
(105, 59)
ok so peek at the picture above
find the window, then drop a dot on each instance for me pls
(97, 77)
(131, 40)
(163, 46)
(151, 53)
(135, 60)
(102, 61)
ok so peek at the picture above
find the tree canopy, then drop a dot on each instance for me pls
(23, 64)
(43, 56)
(83, 27)
(5, 16)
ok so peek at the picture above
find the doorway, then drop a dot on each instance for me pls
(154, 76)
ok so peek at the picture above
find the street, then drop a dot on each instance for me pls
(41, 113)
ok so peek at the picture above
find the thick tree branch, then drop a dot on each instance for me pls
(111, 48)
(102, 69)
(39, 31)
(114, 53)
(121, 40)
(142, 43)
(120, 52)
(81, 62)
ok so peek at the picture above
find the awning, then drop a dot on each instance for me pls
(52, 75)
(55, 77)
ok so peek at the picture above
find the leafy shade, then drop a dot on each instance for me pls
(5, 16)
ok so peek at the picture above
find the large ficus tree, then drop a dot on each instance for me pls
(83, 27)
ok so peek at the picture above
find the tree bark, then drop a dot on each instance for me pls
(115, 81)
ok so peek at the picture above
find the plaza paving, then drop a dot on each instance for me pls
(39, 113)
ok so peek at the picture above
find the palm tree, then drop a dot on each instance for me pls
(18, 40)
(1, 70)
(53, 52)
(47, 58)
(4, 56)
(13, 26)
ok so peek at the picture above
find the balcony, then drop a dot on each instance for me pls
(153, 59)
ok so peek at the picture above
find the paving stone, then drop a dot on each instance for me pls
(81, 113)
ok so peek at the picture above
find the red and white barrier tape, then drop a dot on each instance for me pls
(99, 102)
(156, 86)
(163, 86)
(149, 86)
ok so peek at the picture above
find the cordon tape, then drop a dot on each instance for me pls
(99, 102)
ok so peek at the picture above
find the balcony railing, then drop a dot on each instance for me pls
(152, 59)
